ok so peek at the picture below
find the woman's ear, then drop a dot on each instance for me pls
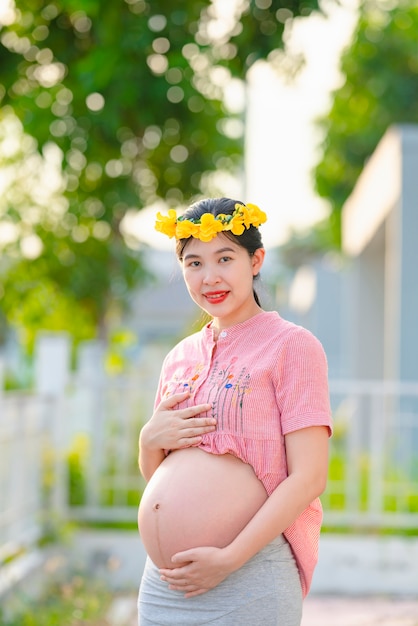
(257, 260)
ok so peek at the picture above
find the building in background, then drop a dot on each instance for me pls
(365, 310)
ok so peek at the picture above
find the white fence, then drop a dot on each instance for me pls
(76, 456)
(70, 449)
(373, 478)
(31, 488)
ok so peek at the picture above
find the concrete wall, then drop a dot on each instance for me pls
(380, 229)
(366, 312)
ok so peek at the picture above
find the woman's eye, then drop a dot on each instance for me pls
(224, 259)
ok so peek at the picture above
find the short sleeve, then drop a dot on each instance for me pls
(303, 392)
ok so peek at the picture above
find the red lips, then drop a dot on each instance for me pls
(216, 297)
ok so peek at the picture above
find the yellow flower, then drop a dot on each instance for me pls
(186, 228)
(244, 214)
(167, 225)
(236, 225)
(257, 216)
(209, 227)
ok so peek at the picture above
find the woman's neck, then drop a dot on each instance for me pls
(220, 324)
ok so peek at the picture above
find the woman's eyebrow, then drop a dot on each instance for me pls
(222, 250)
(190, 256)
(197, 256)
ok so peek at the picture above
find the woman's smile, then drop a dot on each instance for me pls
(216, 297)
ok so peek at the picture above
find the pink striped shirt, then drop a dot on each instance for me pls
(264, 378)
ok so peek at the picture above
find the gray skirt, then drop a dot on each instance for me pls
(266, 591)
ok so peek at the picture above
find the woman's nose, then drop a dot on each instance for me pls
(211, 276)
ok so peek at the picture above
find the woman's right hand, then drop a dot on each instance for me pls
(171, 429)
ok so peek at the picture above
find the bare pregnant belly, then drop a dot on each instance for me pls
(196, 499)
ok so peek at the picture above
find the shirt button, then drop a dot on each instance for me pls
(223, 333)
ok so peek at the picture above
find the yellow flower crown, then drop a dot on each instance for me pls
(208, 226)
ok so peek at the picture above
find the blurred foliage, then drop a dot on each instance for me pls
(380, 70)
(75, 601)
(77, 456)
(115, 105)
(120, 344)
(400, 489)
(35, 302)
(304, 247)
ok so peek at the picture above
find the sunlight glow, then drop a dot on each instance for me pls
(283, 143)
(7, 12)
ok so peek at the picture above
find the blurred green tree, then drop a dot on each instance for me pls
(120, 104)
(380, 72)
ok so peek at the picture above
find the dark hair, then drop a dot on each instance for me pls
(250, 238)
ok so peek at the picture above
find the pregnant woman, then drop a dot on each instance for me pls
(236, 452)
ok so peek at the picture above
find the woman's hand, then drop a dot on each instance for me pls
(202, 569)
(170, 428)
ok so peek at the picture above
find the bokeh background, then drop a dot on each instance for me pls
(112, 111)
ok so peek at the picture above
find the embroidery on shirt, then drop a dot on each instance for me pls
(224, 390)
(187, 381)
(226, 394)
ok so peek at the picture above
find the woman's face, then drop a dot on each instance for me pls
(219, 277)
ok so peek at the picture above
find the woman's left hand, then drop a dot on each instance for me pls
(204, 569)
